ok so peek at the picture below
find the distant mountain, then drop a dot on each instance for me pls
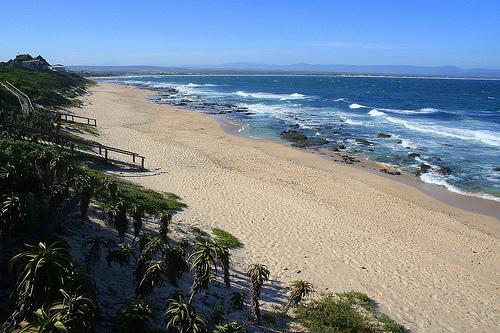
(368, 69)
(299, 68)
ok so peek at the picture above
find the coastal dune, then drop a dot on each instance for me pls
(431, 266)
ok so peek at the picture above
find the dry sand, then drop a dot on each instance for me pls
(431, 266)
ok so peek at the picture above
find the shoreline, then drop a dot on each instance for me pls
(472, 203)
(430, 266)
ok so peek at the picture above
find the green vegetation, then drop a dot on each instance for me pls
(150, 201)
(345, 312)
(225, 239)
(46, 88)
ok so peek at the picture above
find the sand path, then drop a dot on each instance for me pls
(342, 227)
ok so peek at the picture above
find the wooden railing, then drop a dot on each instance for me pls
(71, 143)
(71, 118)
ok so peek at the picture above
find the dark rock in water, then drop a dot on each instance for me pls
(310, 142)
(443, 170)
(391, 172)
(364, 142)
(295, 126)
(302, 141)
(181, 104)
(497, 169)
(423, 168)
(383, 135)
(434, 159)
(338, 147)
(413, 155)
(293, 136)
(447, 145)
(399, 142)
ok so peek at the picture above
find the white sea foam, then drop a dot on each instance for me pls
(440, 180)
(376, 113)
(201, 85)
(353, 122)
(356, 106)
(486, 137)
(342, 99)
(418, 111)
(262, 95)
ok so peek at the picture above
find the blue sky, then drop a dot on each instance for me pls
(174, 33)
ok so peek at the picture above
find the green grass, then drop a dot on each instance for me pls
(224, 238)
(47, 88)
(344, 313)
(153, 202)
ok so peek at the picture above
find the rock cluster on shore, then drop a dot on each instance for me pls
(301, 140)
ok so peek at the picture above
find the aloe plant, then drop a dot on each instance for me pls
(181, 317)
(41, 272)
(258, 274)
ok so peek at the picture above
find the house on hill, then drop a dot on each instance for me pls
(35, 64)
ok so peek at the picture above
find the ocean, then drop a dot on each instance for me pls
(451, 126)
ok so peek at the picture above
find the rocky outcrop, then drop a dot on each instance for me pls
(413, 155)
(301, 140)
(390, 172)
(443, 170)
(365, 142)
(423, 168)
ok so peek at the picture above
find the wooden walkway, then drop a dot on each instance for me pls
(65, 142)
(70, 143)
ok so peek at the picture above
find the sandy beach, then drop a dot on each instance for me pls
(431, 266)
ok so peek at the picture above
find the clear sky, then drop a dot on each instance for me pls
(183, 32)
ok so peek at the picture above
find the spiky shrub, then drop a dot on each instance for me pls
(237, 301)
(176, 264)
(76, 311)
(92, 249)
(165, 220)
(150, 245)
(203, 257)
(12, 213)
(41, 272)
(258, 275)
(154, 276)
(181, 317)
(299, 290)
(120, 219)
(121, 255)
(224, 259)
(135, 317)
(231, 327)
(45, 322)
(137, 215)
(111, 189)
(85, 201)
